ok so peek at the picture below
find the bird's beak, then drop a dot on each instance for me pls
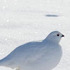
(62, 36)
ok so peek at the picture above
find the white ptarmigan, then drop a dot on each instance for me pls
(43, 55)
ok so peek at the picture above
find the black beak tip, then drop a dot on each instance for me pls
(62, 35)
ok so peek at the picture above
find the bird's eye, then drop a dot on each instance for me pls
(57, 34)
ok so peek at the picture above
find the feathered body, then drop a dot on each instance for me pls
(43, 55)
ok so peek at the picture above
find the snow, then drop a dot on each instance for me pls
(23, 21)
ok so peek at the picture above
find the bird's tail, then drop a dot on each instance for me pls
(6, 63)
(3, 62)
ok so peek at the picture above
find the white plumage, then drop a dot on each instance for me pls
(43, 55)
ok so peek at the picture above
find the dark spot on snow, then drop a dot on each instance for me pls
(52, 15)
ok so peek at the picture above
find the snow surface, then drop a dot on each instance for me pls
(22, 21)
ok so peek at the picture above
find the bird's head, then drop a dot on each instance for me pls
(54, 36)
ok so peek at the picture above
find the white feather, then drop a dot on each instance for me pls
(43, 55)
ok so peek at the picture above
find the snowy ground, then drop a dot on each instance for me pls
(22, 21)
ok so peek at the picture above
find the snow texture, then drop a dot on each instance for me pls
(22, 21)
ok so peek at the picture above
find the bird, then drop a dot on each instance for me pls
(44, 55)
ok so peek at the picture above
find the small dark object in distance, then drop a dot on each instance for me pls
(51, 15)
